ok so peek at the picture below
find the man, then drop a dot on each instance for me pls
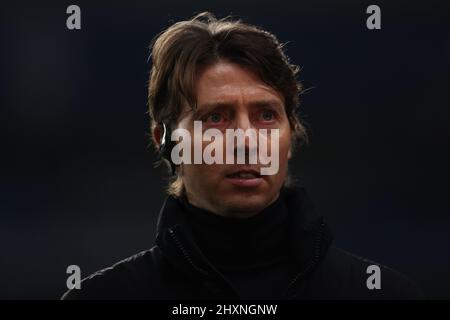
(226, 231)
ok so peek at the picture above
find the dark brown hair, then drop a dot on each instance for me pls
(182, 49)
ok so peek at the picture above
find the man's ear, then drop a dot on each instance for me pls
(290, 153)
(157, 135)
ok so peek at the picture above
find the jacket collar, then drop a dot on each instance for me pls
(309, 235)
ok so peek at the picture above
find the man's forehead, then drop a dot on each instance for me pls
(233, 96)
(225, 81)
(258, 95)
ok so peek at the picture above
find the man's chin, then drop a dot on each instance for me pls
(244, 205)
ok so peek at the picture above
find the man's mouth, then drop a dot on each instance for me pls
(245, 174)
(245, 178)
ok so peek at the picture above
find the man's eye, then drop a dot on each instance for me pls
(267, 115)
(214, 118)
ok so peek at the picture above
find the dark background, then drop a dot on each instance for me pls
(77, 179)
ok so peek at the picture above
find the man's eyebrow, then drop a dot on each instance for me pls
(214, 106)
(267, 104)
(211, 106)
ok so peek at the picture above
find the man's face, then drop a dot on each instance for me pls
(231, 97)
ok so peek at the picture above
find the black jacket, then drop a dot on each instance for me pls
(176, 269)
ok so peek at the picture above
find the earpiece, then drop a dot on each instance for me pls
(166, 146)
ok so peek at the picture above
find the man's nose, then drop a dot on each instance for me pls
(243, 121)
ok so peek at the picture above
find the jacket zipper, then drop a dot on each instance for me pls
(185, 254)
(188, 258)
(314, 261)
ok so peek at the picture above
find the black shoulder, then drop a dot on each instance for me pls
(349, 276)
(131, 278)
